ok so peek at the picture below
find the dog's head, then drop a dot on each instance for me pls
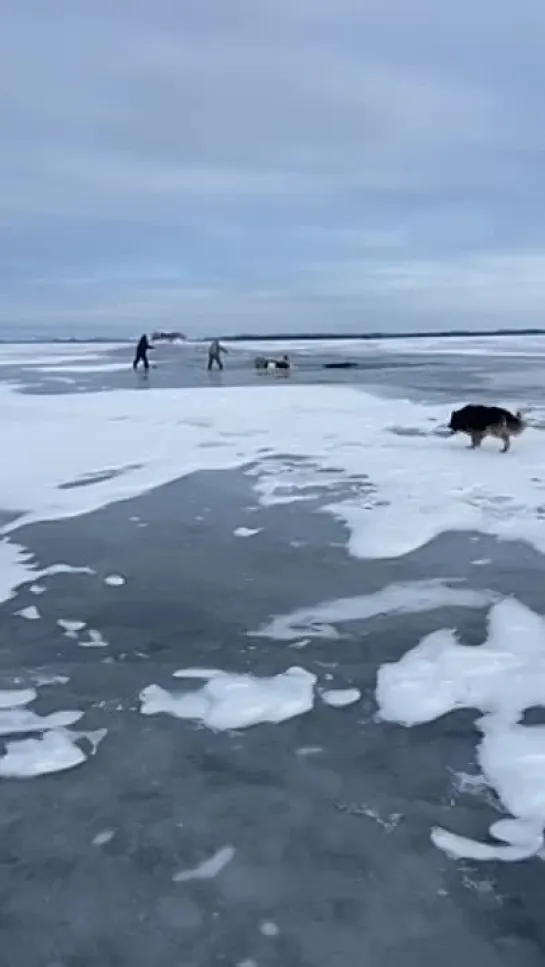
(455, 424)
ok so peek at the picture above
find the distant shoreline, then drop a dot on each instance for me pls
(283, 337)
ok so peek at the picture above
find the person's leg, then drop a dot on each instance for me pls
(136, 360)
(210, 361)
(145, 360)
(220, 363)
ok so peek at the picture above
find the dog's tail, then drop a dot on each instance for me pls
(521, 421)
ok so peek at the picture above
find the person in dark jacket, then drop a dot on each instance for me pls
(215, 350)
(141, 354)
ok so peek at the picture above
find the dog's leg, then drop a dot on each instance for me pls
(506, 442)
(476, 440)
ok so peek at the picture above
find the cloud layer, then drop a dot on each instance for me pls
(302, 164)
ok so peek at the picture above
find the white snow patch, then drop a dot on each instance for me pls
(269, 929)
(30, 614)
(95, 640)
(41, 679)
(247, 531)
(341, 697)
(37, 589)
(230, 701)
(406, 489)
(209, 868)
(16, 568)
(86, 367)
(114, 580)
(412, 597)
(13, 698)
(70, 628)
(18, 720)
(503, 677)
(55, 751)
(205, 673)
(103, 837)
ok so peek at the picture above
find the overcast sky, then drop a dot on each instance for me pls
(228, 165)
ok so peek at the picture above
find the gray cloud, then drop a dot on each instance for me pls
(302, 164)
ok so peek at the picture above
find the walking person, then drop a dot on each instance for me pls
(215, 350)
(141, 354)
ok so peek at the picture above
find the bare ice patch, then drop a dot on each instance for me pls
(503, 678)
(209, 868)
(412, 597)
(229, 701)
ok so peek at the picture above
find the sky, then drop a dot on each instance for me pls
(221, 166)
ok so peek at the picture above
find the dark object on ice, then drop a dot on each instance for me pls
(341, 365)
(141, 354)
(479, 421)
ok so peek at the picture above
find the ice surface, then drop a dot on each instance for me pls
(341, 697)
(39, 354)
(230, 701)
(412, 597)
(405, 489)
(114, 580)
(503, 677)
(247, 531)
(209, 868)
(269, 929)
(55, 751)
(30, 614)
(85, 367)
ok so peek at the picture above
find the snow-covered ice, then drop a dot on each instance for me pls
(503, 677)
(71, 627)
(114, 580)
(412, 597)
(209, 868)
(229, 701)
(50, 747)
(30, 613)
(53, 752)
(341, 697)
(246, 531)
(337, 430)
